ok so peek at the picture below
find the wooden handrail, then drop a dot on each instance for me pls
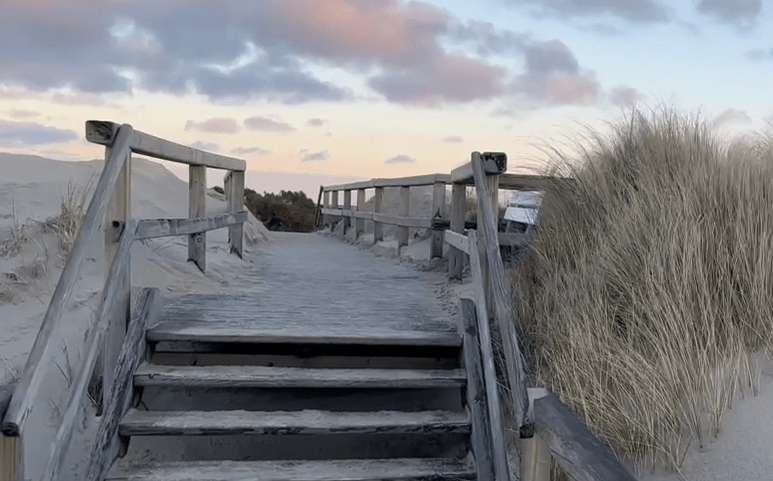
(29, 384)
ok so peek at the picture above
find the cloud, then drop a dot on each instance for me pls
(208, 146)
(14, 134)
(453, 138)
(485, 38)
(642, 11)
(738, 12)
(314, 156)
(624, 96)
(758, 54)
(549, 57)
(250, 150)
(732, 116)
(316, 122)
(22, 114)
(400, 159)
(216, 125)
(267, 125)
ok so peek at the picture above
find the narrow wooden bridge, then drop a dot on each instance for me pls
(333, 364)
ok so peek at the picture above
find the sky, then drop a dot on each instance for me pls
(319, 91)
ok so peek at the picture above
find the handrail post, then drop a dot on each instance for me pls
(492, 183)
(378, 227)
(197, 185)
(458, 207)
(405, 206)
(360, 207)
(335, 206)
(317, 213)
(326, 205)
(234, 190)
(347, 206)
(11, 458)
(438, 212)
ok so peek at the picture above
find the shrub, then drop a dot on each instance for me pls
(286, 211)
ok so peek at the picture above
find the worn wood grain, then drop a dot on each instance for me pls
(151, 228)
(306, 422)
(197, 197)
(360, 208)
(438, 213)
(458, 241)
(477, 404)
(237, 209)
(413, 181)
(458, 208)
(493, 163)
(413, 469)
(347, 207)
(581, 454)
(104, 132)
(29, 384)
(378, 227)
(11, 458)
(404, 211)
(292, 377)
(132, 353)
(325, 205)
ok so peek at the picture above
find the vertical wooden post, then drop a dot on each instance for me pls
(360, 207)
(405, 205)
(458, 206)
(492, 182)
(438, 212)
(378, 227)
(326, 204)
(235, 201)
(535, 453)
(347, 206)
(11, 456)
(319, 206)
(334, 218)
(197, 184)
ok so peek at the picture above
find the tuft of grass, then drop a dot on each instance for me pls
(68, 223)
(20, 235)
(647, 285)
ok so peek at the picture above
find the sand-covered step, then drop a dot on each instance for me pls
(295, 377)
(345, 331)
(335, 470)
(145, 423)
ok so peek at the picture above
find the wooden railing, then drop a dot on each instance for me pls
(546, 426)
(107, 345)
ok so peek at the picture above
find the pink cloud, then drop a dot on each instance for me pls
(569, 89)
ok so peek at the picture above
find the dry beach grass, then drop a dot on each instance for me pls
(648, 285)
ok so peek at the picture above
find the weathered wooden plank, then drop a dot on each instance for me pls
(11, 458)
(536, 461)
(347, 207)
(293, 377)
(95, 337)
(480, 438)
(360, 208)
(458, 208)
(236, 207)
(326, 205)
(458, 241)
(378, 227)
(493, 163)
(581, 454)
(27, 390)
(438, 208)
(504, 313)
(413, 469)
(342, 333)
(413, 181)
(417, 222)
(404, 211)
(103, 133)
(150, 228)
(501, 468)
(318, 212)
(132, 353)
(349, 213)
(197, 196)
(306, 422)
(365, 184)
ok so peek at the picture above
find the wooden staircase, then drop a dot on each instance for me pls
(237, 400)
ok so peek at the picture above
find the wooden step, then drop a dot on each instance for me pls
(342, 333)
(295, 377)
(144, 423)
(335, 470)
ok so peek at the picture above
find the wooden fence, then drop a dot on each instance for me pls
(108, 347)
(544, 423)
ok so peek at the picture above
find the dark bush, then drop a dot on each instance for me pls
(286, 211)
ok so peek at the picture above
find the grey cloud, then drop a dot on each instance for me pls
(250, 150)
(400, 159)
(218, 125)
(624, 96)
(645, 11)
(453, 138)
(739, 12)
(315, 156)
(30, 133)
(208, 146)
(486, 38)
(732, 116)
(759, 54)
(316, 122)
(267, 125)
(550, 56)
(22, 114)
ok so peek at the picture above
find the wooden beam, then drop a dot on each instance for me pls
(11, 458)
(148, 229)
(577, 450)
(318, 212)
(496, 419)
(96, 334)
(365, 184)
(511, 334)
(326, 204)
(236, 208)
(458, 241)
(360, 228)
(347, 206)
(197, 196)
(458, 209)
(438, 213)
(103, 452)
(480, 438)
(536, 460)
(403, 211)
(413, 181)
(404, 222)
(29, 384)
(104, 133)
(493, 163)
(378, 227)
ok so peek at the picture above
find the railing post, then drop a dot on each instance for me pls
(335, 206)
(326, 205)
(438, 212)
(458, 207)
(360, 207)
(534, 452)
(347, 206)
(197, 185)
(319, 205)
(378, 227)
(235, 202)
(492, 183)
(11, 456)
(405, 205)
